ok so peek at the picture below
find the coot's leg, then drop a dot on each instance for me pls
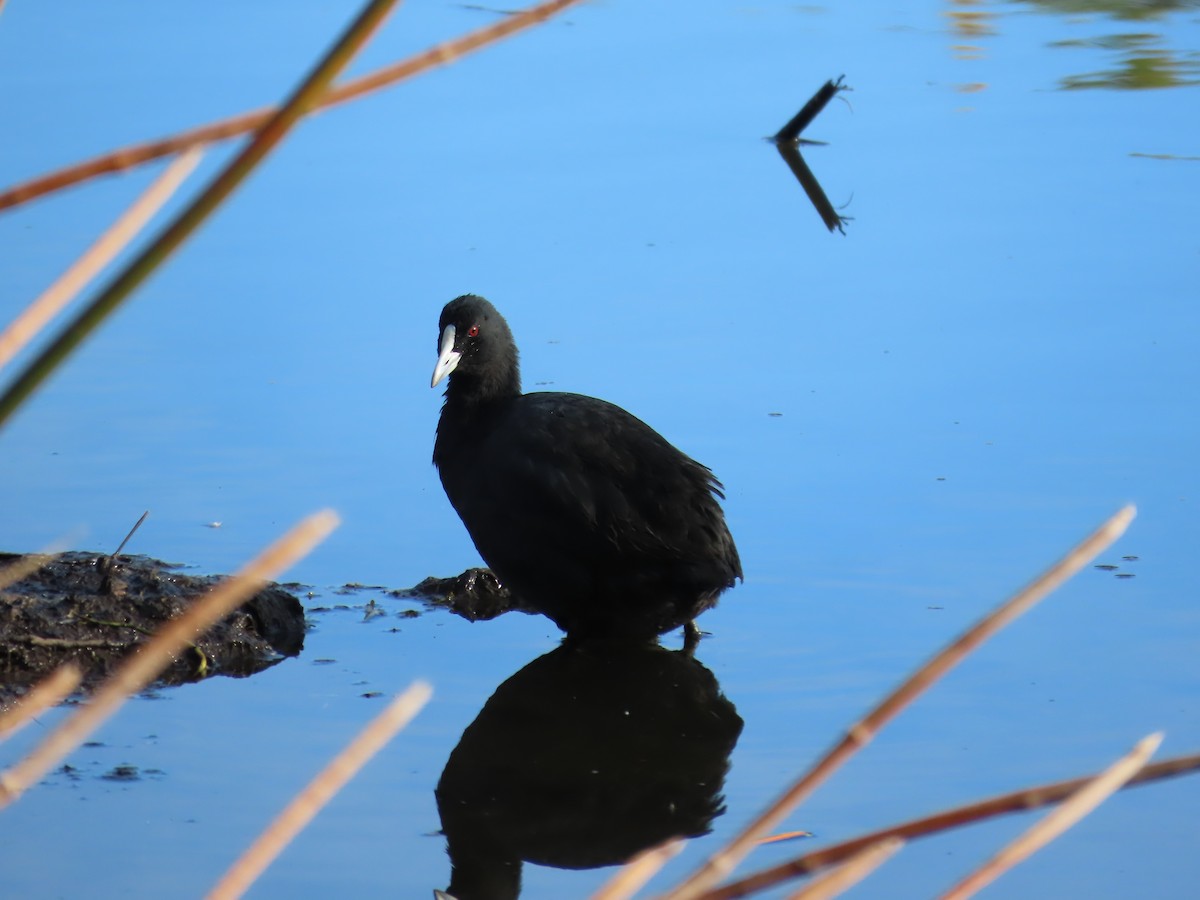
(691, 638)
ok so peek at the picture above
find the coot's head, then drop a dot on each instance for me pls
(475, 344)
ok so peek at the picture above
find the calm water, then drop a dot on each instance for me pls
(911, 419)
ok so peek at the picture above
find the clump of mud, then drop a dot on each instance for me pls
(476, 595)
(96, 609)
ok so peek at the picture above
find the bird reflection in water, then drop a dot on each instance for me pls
(582, 759)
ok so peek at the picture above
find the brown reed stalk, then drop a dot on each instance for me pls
(137, 154)
(1003, 804)
(320, 791)
(721, 863)
(850, 873)
(35, 316)
(22, 568)
(630, 878)
(301, 102)
(141, 667)
(1054, 823)
(48, 692)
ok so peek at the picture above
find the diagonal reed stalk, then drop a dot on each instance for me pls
(849, 873)
(319, 791)
(138, 154)
(302, 101)
(24, 567)
(141, 667)
(630, 878)
(48, 692)
(790, 132)
(1003, 804)
(859, 735)
(1075, 807)
(35, 316)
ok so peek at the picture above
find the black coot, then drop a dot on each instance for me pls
(579, 508)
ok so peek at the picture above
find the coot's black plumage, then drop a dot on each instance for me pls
(578, 507)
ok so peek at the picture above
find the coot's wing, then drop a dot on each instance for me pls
(568, 468)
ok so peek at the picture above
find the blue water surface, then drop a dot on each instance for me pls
(911, 419)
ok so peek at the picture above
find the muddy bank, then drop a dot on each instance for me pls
(96, 609)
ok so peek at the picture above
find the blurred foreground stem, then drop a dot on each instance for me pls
(303, 100)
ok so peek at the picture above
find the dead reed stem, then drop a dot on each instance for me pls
(1004, 804)
(319, 791)
(801, 120)
(137, 154)
(859, 735)
(1054, 823)
(632, 876)
(23, 568)
(35, 316)
(46, 693)
(302, 101)
(850, 873)
(141, 667)
(130, 534)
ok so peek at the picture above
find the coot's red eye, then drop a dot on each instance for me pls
(473, 331)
